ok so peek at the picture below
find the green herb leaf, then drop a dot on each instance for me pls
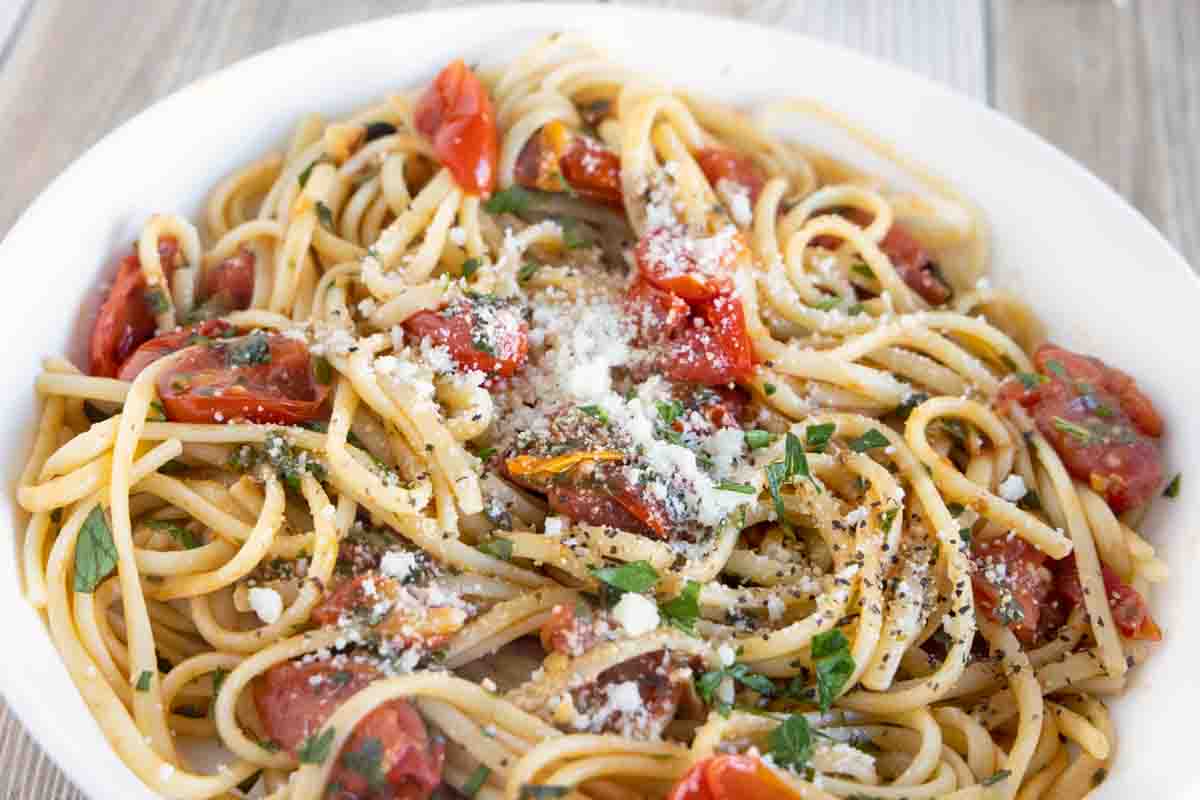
(143, 681)
(527, 271)
(324, 216)
(860, 268)
(769, 389)
(322, 370)
(303, 176)
(379, 129)
(596, 412)
(95, 553)
(268, 745)
(1172, 490)
(541, 791)
(855, 310)
(756, 439)
(965, 535)
(868, 441)
(776, 476)
(1076, 432)
(476, 781)
(795, 462)
(315, 749)
(1056, 367)
(250, 350)
(470, 267)
(955, 508)
(740, 488)
(367, 761)
(834, 665)
(158, 413)
(636, 576)
(485, 453)
(790, 744)
(513, 200)
(571, 236)
(185, 537)
(827, 303)
(683, 610)
(1031, 380)
(218, 678)
(157, 300)
(497, 548)
(669, 412)
(995, 777)
(886, 518)
(817, 436)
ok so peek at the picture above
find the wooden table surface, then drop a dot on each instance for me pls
(1114, 83)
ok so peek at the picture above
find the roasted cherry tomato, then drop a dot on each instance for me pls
(1102, 426)
(479, 333)
(455, 114)
(674, 263)
(720, 164)
(913, 262)
(557, 160)
(126, 317)
(1129, 609)
(1012, 583)
(657, 314)
(718, 352)
(229, 286)
(430, 627)
(265, 378)
(294, 700)
(731, 777)
(169, 343)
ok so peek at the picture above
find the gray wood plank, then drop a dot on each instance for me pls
(1117, 86)
(63, 85)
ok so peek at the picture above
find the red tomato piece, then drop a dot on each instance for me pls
(912, 261)
(674, 263)
(657, 314)
(718, 352)
(169, 343)
(455, 114)
(294, 700)
(1129, 609)
(731, 777)
(719, 163)
(556, 630)
(593, 171)
(126, 320)
(621, 507)
(264, 378)
(230, 284)
(1011, 583)
(479, 335)
(661, 695)
(1102, 426)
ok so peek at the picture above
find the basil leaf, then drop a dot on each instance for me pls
(683, 610)
(817, 436)
(367, 761)
(775, 478)
(1172, 490)
(315, 749)
(250, 350)
(868, 441)
(759, 683)
(1056, 367)
(740, 488)
(95, 553)
(834, 665)
(886, 518)
(143, 681)
(303, 176)
(636, 576)
(596, 412)
(325, 216)
(470, 267)
(1077, 432)
(185, 537)
(769, 389)
(527, 271)
(669, 412)
(756, 439)
(1030, 380)
(861, 268)
(513, 200)
(790, 744)
(497, 548)
(995, 777)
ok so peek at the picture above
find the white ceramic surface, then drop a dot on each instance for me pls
(1102, 278)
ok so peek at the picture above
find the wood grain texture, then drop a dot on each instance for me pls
(1115, 84)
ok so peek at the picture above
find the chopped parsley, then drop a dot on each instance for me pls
(995, 777)
(1172, 490)
(303, 176)
(707, 684)
(683, 610)
(861, 269)
(315, 749)
(886, 518)
(157, 300)
(470, 267)
(833, 663)
(1056, 367)
(143, 681)
(367, 761)
(868, 441)
(476, 781)
(790, 745)
(250, 350)
(769, 389)
(827, 303)
(1077, 432)
(596, 412)
(740, 488)
(324, 216)
(794, 464)
(186, 538)
(95, 553)
(636, 576)
(757, 439)
(322, 370)
(1031, 380)
(527, 271)
(513, 200)
(497, 548)
(669, 412)
(817, 436)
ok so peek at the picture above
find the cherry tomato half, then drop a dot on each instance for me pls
(169, 343)
(731, 777)
(126, 318)
(478, 333)
(455, 114)
(718, 352)
(719, 163)
(264, 378)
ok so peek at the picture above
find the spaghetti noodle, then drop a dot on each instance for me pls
(550, 433)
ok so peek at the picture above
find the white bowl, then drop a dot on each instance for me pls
(1103, 279)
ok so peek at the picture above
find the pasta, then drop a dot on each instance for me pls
(547, 432)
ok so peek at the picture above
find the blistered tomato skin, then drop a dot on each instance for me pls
(478, 336)
(1011, 583)
(1103, 427)
(731, 777)
(456, 115)
(169, 343)
(718, 164)
(126, 319)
